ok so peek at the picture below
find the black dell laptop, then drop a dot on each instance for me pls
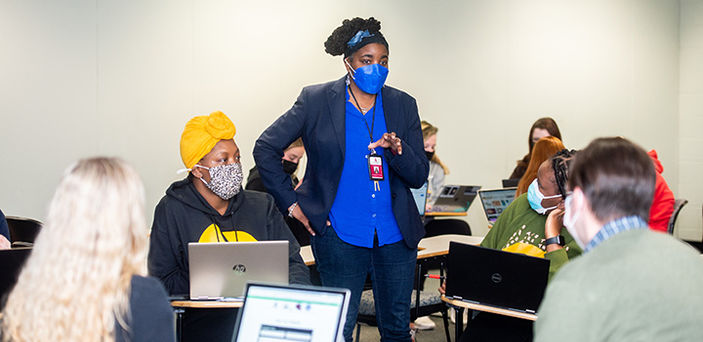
(11, 262)
(496, 278)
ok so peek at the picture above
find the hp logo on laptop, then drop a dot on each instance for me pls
(496, 278)
(239, 269)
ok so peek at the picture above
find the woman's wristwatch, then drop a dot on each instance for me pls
(559, 240)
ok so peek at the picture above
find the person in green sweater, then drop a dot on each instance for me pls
(631, 284)
(530, 225)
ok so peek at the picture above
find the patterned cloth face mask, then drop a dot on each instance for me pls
(225, 180)
(535, 197)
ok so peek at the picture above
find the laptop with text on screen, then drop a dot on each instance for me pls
(221, 269)
(277, 313)
(495, 201)
(496, 278)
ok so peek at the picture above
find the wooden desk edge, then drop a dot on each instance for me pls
(206, 304)
(490, 309)
(450, 213)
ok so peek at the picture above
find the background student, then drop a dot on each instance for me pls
(85, 279)
(543, 149)
(209, 205)
(541, 128)
(361, 222)
(522, 228)
(291, 158)
(630, 284)
(437, 168)
(663, 201)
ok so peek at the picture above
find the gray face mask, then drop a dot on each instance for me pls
(225, 180)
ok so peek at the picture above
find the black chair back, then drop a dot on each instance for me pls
(23, 229)
(446, 226)
(11, 262)
(678, 205)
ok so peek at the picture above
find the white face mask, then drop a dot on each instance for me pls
(535, 197)
(570, 221)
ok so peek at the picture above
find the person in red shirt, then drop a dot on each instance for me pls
(663, 204)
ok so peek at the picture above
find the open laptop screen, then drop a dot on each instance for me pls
(275, 313)
(495, 201)
(420, 197)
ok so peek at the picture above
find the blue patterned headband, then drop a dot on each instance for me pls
(363, 38)
(358, 37)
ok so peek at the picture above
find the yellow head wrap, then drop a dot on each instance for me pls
(202, 133)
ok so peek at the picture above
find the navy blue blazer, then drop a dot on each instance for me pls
(318, 116)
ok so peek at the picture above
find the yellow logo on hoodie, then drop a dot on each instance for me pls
(213, 234)
(525, 248)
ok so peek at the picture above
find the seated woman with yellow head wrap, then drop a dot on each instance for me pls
(210, 206)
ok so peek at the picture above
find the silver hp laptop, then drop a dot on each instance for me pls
(276, 313)
(495, 201)
(455, 198)
(221, 270)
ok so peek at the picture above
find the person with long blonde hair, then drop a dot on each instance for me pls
(437, 168)
(85, 279)
(544, 148)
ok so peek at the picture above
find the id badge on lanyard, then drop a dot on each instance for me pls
(375, 166)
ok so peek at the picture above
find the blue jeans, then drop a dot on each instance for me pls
(392, 269)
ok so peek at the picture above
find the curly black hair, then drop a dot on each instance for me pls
(336, 43)
(560, 164)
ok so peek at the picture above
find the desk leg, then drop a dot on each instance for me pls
(459, 325)
(179, 323)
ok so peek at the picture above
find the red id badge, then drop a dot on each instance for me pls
(375, 167)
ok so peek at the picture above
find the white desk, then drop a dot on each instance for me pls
(427, 248)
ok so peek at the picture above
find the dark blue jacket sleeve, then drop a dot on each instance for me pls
(412, 165)
(298, 273)
(269, 148)
(4, 229)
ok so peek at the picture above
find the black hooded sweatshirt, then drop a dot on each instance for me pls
(184, 216)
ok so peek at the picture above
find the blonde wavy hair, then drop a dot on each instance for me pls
(76, 283)
(427, 131)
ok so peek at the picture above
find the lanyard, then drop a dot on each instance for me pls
(373, 114)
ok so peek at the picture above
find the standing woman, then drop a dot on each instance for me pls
(365, 152)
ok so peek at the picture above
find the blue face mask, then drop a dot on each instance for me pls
(535, 197)
(369, 78)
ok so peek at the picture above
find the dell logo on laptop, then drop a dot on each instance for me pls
(496, 278)
(239, 269)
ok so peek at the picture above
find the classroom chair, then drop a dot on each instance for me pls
(678, 205)
(23, 230)
(446, 226)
